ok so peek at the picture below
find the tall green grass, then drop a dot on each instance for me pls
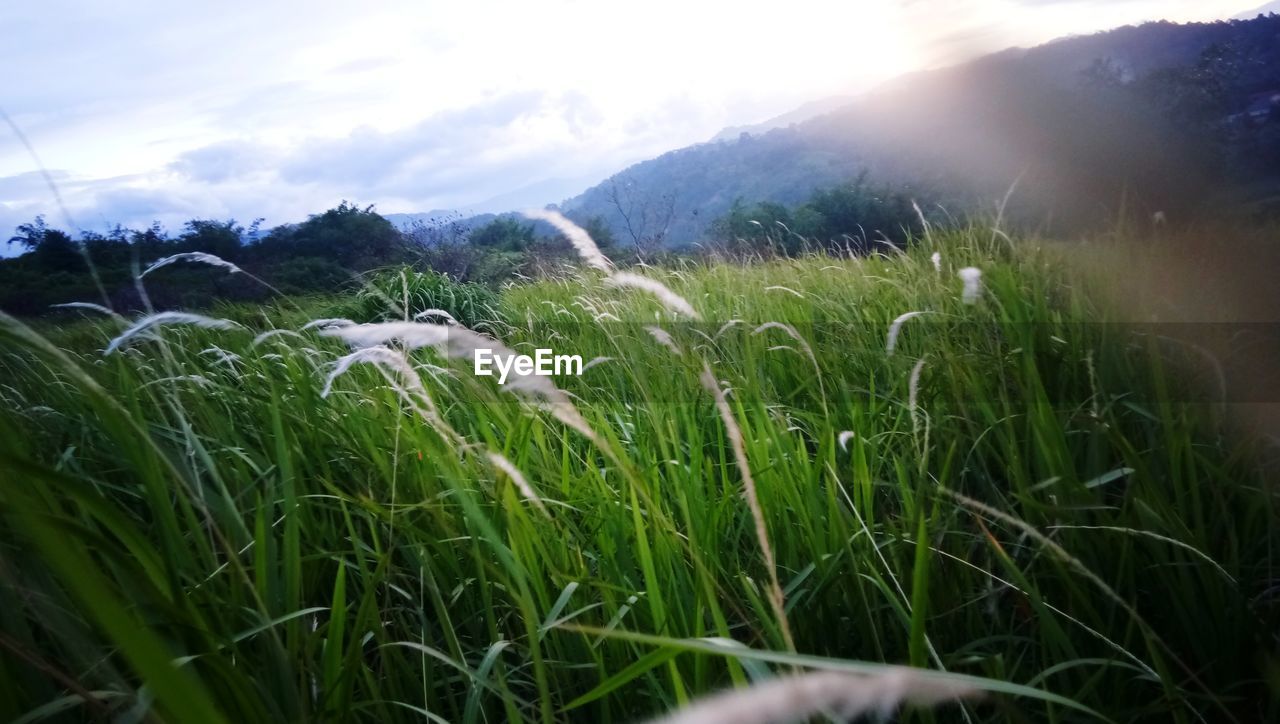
(191, 532)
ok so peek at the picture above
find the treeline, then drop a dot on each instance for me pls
(327, 253)
(317, 255)
(855, 217)
(332, 251)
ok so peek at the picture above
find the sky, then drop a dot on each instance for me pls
(142, 110)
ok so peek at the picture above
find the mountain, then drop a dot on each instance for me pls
(1271, 7)
(809, 110)
(1141, 115)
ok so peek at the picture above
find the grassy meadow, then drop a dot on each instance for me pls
(1021, 501)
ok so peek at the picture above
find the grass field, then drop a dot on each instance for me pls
(1020, 496)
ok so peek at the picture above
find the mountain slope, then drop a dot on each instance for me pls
(1085, 122)
(809, 110)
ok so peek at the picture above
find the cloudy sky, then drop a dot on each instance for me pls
(144, 110)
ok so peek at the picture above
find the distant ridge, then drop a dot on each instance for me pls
(959, 135)
(809, 110)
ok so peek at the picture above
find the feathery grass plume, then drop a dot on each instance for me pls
(828, 694)
(924, 223)
(461, 343)
(596, 361)
(263, 337)
(411, 334)
(972, 277)
(727, 326)
(844, 438)
(517, 477)
(890, 245)
(91, 307)
(200, 380)
(581, 240)
(198, 257)
(736, 442)
(664, 338)
(936, 258)
(892, 340)
(164, 319)
(813, 359)
(442, 314)
(789, 290)
(792, 333)
(371, 355)
(327, 322)
(669, 299)
(402, 377)
(222, 355)
(913, 393)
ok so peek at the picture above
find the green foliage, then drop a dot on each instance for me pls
(862, 213)
(403, 293)
(504, 233)
(319, 255)
(846, 217)
(196, 534)
(49, 248)
(308, 274)
(352, 237)
(220, 238)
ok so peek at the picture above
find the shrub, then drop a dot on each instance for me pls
(393, 294)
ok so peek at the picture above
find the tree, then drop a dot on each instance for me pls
(766, 227)
(221, 238)
(601, 234)
(857, 211)
(646, 216)
(50, 248)
(504, 233)
(444, 245)
(355, 238)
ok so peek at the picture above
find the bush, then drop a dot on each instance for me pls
(391, 294)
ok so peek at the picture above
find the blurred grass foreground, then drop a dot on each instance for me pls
(946, 476)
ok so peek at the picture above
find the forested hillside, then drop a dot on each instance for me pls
(1144, 118)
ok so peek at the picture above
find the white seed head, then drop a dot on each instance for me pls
(972, 278)
(198, 257)
(517, 477)
(664, 338)
(274, 333)
(327, 322)
(165, 319)
(577, 236)
(736, 442)
(788, 290)
(411, 334)
(895, 329)
(440, 313)
(672, 301)
(826, 694)
(89, 306)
